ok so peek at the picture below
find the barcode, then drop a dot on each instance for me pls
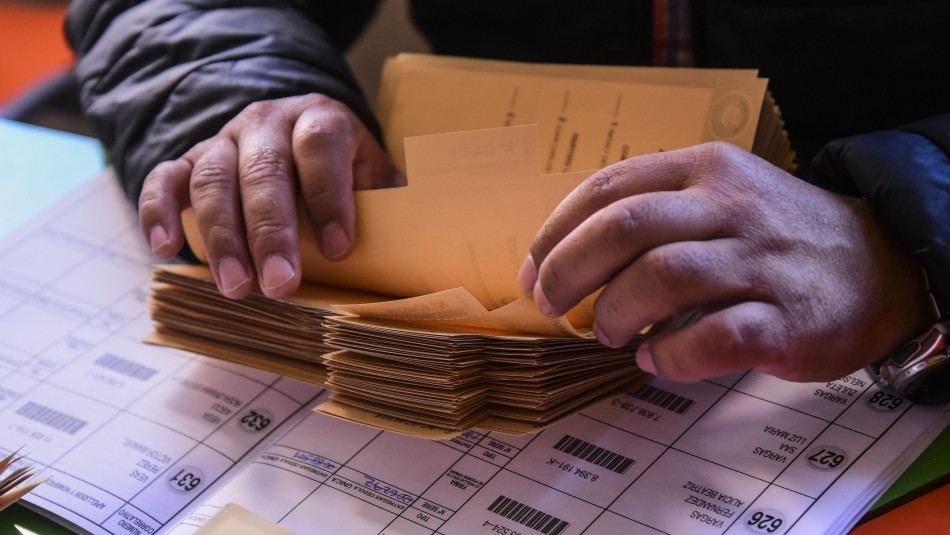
(125, 367)
(528, 516)
(50, 417)
(594, 454)
(663, 399)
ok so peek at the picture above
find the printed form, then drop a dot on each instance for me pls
(742, 454)
(143, 439)
(130, 434)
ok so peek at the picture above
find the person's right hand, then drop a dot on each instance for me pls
(243, 185)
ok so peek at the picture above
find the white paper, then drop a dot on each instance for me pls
(742, 454)
(130, 434)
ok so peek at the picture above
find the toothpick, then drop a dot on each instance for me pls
(18, 483)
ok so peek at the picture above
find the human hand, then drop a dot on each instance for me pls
(243, 185)
(790, 279)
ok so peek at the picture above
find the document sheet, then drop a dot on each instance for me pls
(143, 439)
(129, 434)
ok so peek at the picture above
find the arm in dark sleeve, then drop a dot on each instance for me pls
(905, 175)
(157, 77)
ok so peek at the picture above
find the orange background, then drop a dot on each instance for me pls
(927, 515)
(32, 45)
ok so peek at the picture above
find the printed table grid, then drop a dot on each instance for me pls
(83, 320)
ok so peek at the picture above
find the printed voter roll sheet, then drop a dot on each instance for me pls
(745, 453)
(130, 435)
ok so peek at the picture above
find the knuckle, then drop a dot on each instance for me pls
(602, 183)
(551, 276)
(325, 129)
(716, 152)
(218, 234)
(733, 336)
(262, 166)
(208, 179)
(161, 172)
(544, 242)
(154, 187)
(151, 201)
(320, 100)
(611, 313)
(321, 194)
(259, 110)
(268, 231)
(676, 367)
(747, 335)
(752, 336)
(163, 177)
(331, 107)
(621, 220)
(715, 160)
(669, 266)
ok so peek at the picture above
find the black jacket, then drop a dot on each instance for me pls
(156, 77)
(905, 174)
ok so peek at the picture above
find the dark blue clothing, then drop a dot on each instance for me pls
(157, 77)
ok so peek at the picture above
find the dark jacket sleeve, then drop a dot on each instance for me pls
(156, 77)
(905, 175)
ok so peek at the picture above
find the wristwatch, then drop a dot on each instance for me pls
(920, 369)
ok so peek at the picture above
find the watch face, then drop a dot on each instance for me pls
(931, 384)
(920, 369)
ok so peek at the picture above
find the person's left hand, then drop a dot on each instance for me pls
(790, 279)
(244, 184)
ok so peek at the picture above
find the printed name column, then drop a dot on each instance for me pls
(720, 465)
(857, 413)
(193, 420)
(309, 486)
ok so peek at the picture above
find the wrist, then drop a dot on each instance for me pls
(919, 368)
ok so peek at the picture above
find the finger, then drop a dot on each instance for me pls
(164, 196)
(324, 148)
(215, 198)
(372, 168)
(612, 238)
(737, 338)
(673, 280)
(649, 173)
(267, 188)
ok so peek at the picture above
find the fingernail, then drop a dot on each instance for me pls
(601, 336)
(333, 241)
(527, 275)
(231, 275)
(277, 272)
(157, 238)
(645, 359)
(542, 301)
